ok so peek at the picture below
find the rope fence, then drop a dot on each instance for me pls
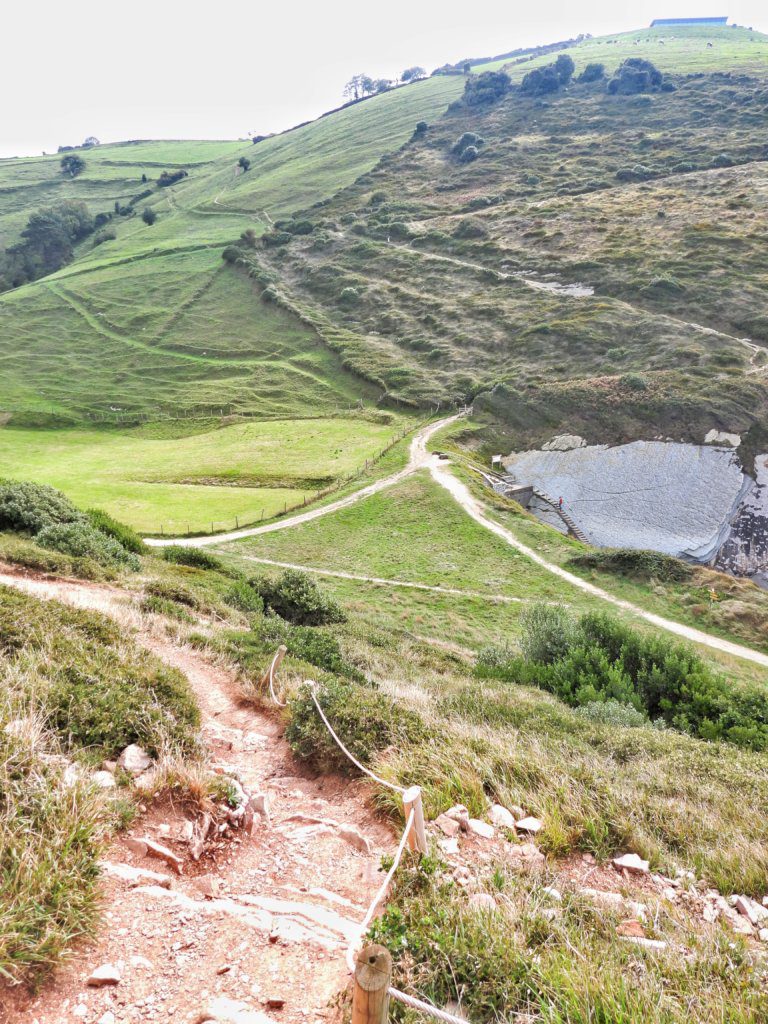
(372, 965)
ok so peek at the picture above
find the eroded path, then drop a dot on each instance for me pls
(264, 919)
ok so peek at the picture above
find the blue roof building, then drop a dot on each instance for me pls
(659, 22)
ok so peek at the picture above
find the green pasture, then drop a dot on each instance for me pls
(150, 477)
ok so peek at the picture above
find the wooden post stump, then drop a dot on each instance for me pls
(417, 837)
(282, 650)
(373, 974)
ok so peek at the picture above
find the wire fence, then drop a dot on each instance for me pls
(412, 802)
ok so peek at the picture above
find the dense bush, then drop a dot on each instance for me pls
(124, 535)
(550, 78)
(639, 564)
(469, 154)
(592, 73)
(598, 658)
(197, 558)
(634, 76)
(108, 235)
(613, 712)
(171, 590)
(318, 647)
(171, 177)
(81, 540)
(485, 88)
(149, 216)
(18, 551)
(465, 141)
(28, 508)
(365, 720)
(470, 227)
(639, 172)
(244, 597)
(295, 597)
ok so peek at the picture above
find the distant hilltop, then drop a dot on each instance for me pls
(659, 22)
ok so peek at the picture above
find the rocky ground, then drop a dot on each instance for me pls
(248, 917)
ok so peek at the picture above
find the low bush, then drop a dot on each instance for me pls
(486, 88)
(108, 235)
(639, 564)
(168, 590)
(464, 140)
(197, 558)
(612, 712)
(28, 508)
(19, 551)
(470, 227)
(81, 540)
(598, 658)
(317, 647)
(469, 154)
(295, 597)
(366, 721)
(635, 76)
(245, 598)
(592, 73)
(154, 605)
(124, 535)
(171, 177)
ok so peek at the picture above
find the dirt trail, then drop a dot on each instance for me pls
(269, 917)
(475, 509)
(418, 458)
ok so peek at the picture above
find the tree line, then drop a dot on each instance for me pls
(360, 86)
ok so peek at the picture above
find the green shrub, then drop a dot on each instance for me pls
(365, 720)
(598, 658)
(244, 597)
(464, 141)
(640, 564)
(592, 73)
(197, 558)
(316, 646)
(634, 76)
(296, 597)
(124, 535)
(349, 297)
(28, 508)
(634, 381)
(470, 227)
(81, 540)
(154, 605)
(485, 88)
(469, 154)
(19, 551)
(613, 712)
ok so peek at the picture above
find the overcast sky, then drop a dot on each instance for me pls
(218, 70)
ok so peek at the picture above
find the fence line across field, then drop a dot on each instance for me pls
(370, 1004)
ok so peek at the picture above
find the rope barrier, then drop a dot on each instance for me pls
(280, 703)
(355, 762)
(419, 1004)
(379, 895)
(402, 997)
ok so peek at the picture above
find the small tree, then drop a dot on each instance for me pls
(564, 68)
(382, 85)
(149, 216)
(72, 164)
(143, 179)
(90, 142)
(359, 86)
(245, 163)
(413, 74)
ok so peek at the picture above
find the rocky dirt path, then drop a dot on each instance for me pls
(418, 458)
(260, 926)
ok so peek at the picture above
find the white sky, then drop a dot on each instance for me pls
(178, 69)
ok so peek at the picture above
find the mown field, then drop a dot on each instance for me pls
(185, 477)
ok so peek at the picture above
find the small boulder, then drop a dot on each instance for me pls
(150, 848)
(134, 760)
(107, 974)
(104, 780)
(632, 863)
(459, 813)
(481, 828)
(448, 826)
(231, 1011)
(763, 935)
(501, 817)
(530, 826)
(482, 901)
(751, 909)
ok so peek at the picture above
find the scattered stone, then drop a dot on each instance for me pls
(655, 944)
(741, 925)
(550, 913)
(481, 828)
(710, 913)
(630, 929)
(459, 813)
(482, 901)
(355, 838)
(462, 876)
(588, 858)
(763, 935)
(614, 900)
(274, 1002)
(529, 825)
(141, 962)
(448, 826)
(638, 909)
(104, 780)
(525, 856)
(450, 847)
(107, 974)
(516, 812)
(153, 849)
(135, 845)
(501, 817)
(109, 766)
(553, 894)
(134, 760)
(134, 876)
(208, 885)
(632, 863)
(230, 1011)
(107, 1018)
(750, 909)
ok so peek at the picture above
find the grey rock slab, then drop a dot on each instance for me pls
(134, 760)
(674, 498)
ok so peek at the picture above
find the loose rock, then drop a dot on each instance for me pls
(632, 863)
(529, 825)
(482, 901)
(448, 826)
(107, 974)
(459, 813)
(104, 780)
(355, 838)
(501, 817)
(481, 828)
(134, 760)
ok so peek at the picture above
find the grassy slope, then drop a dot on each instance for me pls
(188, 482)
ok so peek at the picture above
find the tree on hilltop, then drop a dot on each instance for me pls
(413, 74)
(359, 86)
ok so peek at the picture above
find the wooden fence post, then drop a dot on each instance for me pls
(417, 837)
(373, 973)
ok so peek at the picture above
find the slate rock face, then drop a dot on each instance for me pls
(675, 498)
(745, 552)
